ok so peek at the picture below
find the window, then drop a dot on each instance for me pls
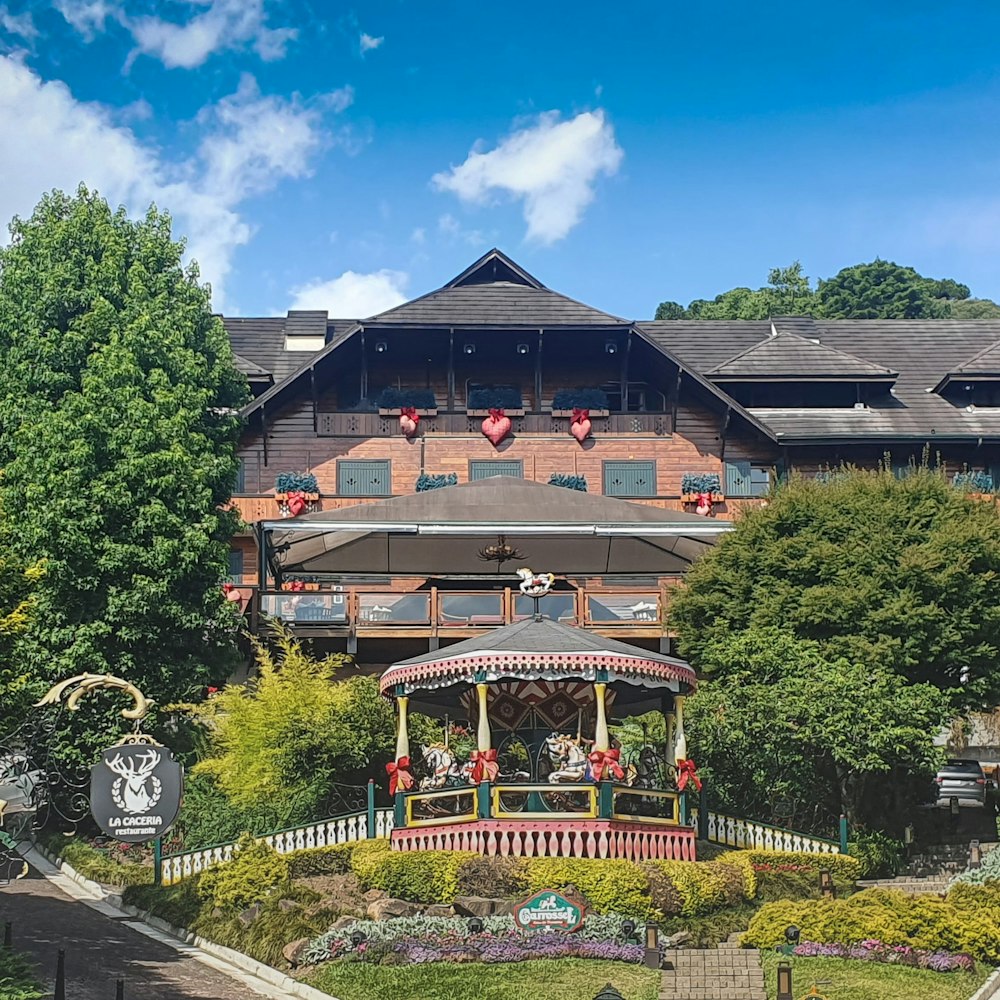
(630, 479)
(746, 479)
(235, 566)
(371, 478)
(240, 483)
(488, 469)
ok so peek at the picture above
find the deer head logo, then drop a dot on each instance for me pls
(129, 791)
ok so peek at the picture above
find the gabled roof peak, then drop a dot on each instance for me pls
(493, 267)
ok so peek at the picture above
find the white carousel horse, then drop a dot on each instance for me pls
(445, 770)
(568, 758)
(534, 584)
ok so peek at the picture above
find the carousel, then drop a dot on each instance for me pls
(536, 771)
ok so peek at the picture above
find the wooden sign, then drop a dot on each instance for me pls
(548, 909)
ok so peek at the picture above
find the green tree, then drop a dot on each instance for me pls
(895, 573)
(792, 294)
(973, 309)
(17, 585)
(118, 435)
(885, 290)
(670, 310)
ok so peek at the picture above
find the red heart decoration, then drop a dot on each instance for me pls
(580, 429)
(496, 426)
(296, 503)
(408, 420)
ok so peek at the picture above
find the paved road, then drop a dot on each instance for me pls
(101, 948)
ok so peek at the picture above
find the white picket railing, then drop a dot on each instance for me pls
(326, 833)
(744, 833)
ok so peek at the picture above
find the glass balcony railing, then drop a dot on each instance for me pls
(623, 609)
(470, 609)
(387, 609)
(558, 607)
(305, 607)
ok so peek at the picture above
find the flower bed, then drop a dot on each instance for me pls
(416, 940)
(874, 950)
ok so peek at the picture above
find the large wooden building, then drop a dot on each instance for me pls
(368, 564)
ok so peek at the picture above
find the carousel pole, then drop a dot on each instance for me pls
(602, 741)
(402, 734)
(402, 762)
(680, 752)
(484, 742)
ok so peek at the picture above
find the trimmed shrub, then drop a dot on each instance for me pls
(97, 865)
(320, 861)
(610, 886)
(792, 871)
(249, 878)
(878, 854)
(695, 888)
(419, 876)
(894, 918)
(492, 877)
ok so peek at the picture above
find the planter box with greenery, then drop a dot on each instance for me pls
(432, 481)
(392, 401)
(568, 481)
(566, 401)
(693, 483)
(296, 482)
(976, 484)
(497, 397)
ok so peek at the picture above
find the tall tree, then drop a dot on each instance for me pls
(885, 290)
(118, 434)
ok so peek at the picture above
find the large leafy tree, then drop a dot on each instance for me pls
(885, 290)
(118, 434)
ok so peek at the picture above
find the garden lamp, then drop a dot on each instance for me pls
(792, 934)
(652, 956)
(785, 981)
(356, 938)
(826, 883)
(476, 925)
(628, 929)
(609, 993)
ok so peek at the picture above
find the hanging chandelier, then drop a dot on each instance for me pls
(500, 552)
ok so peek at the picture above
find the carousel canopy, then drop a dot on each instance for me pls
(442, 532)
(539, 650)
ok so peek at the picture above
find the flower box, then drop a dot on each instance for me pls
(395, 411)
(693, 497)
(591, 413)
(486, 413)
(282, 497)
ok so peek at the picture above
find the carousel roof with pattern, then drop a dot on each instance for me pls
(538, 649)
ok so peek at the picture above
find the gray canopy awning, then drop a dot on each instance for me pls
(440, 532)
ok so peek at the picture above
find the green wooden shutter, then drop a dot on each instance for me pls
(487, 469)
(370, 478)
(235, 566)
(630, 479)
(738, 479)
(240, 485)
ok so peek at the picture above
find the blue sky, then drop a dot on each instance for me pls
(318, 154)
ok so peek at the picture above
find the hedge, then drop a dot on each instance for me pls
(968, 920)
(772, 874)
(96, 865)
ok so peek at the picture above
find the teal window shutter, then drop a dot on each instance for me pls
(738, 480)
(371, 478)
(240, 485)
(235, 566)
(486, 469)
(630, 479)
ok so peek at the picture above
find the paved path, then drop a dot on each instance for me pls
(723, 973)
(101, 946)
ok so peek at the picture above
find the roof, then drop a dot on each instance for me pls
(786, 355)
(536, 648)
(921, 351)
(985, 364)
(249, 369)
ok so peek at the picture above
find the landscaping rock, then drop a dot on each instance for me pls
(678, 940)
(439, 910)
(341, 922)
(292, 951)
(287, 904)
(480, 906)
(383, 909)
(250, 914)
(373, 895)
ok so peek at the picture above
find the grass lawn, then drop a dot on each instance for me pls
(849, 980)
(562, 979)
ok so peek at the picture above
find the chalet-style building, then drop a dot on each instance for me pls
(374, 561)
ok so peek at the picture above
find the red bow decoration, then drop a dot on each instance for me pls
(601, 760)
(703, 503)
(686, 772)
(484, 765)
(232, 594)
(579, 415)
(296, 502)
(399, 775)
(579, 424)
(408, 420)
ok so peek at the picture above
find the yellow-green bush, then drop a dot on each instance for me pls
(961, 923)
(420, 876)
(249, 878)
(320, 861)
(693, 888)
(610, 885)
(844, 869)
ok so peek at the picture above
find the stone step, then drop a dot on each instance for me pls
(713, 974)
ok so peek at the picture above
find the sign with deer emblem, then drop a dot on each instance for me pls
(135, 791)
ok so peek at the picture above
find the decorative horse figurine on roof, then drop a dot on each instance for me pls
(535, 584)
(568, 758)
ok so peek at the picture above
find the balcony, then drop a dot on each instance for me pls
(435, 612)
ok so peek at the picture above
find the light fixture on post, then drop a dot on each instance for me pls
(785, 981)
(651, 958)
(476, 925)
(357, 937)
(610, 347)
(469, 349)
(792, 934)
(381, 347)
(628, 931)
(523, 348)
(826, 886)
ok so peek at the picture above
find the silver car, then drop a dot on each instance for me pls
(963, 780)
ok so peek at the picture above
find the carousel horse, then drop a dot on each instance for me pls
(569, 759)
(446, 771)
(645, 772)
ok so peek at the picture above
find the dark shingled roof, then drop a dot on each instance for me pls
(986, 362)
(249, 369)
(920, 350)
(787, 355)
(545, 636)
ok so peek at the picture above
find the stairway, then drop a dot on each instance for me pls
(931, 870)
(724, 973)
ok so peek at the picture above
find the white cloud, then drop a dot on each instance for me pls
(88, 16)
(353, 295)
(451, 228)
(369, 42)
(17, 24)
(551, 166)
(249, 143)
(419, 236)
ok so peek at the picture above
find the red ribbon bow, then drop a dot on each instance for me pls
(484, 765)
(410, 411)
(686, 772)
(579, 415)
(295, 586)
(601, 760)
(296, 501)
(232, 594)
(399, 775)
(496, 413)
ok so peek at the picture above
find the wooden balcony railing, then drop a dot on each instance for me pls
(450, 610)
